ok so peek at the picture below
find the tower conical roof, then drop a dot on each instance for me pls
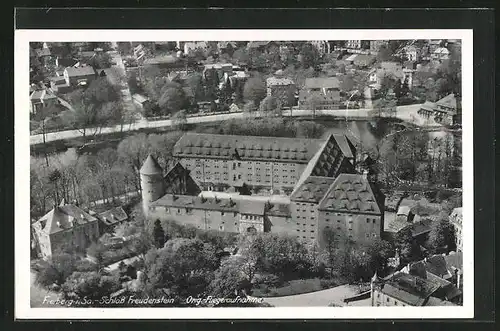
(150, 166)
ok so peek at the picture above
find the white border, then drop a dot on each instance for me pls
(22, 164)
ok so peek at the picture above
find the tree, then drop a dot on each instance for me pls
(407, 245)
(268, 104)
(89, 287)
(442, 235)
(158, 234)
(241, 56)
(141, 244)
(384, 54)
(384, 105)
(229, 280)
(96, 251)
(309, 129)
(172, 99)
(184, 266)
(308, 56)
(179, 120)
(100, 91)
(195, 84)
(255, 90)
(59, 267)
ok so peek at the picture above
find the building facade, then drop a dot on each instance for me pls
(42, 98)
(82, 75)
(283, 89)
(320, 93)
(313, 170)
(456, 220)
(64, 226)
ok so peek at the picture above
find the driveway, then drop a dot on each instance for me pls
(322, 298)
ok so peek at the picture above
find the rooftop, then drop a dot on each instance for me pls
(113, 216)
(63, 217)
(313, 189)
(324, 82)
(42, 94)
(246, 147)
(272, 81)
(80, 71)
(409, 288)
(448, 101)
(151, 166)
(197, 202)
(351, 193)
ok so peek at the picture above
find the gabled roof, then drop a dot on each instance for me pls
(351, 193)
(151, 166)
(448, 101)
(113, 216)
(42, 52)
(324, 82)
(441, 50)
(410, 289)
(246, 147)
(252, 207)
(313, 189)
(42, 94)
(272, 81)
(64, 217)
(80, 71)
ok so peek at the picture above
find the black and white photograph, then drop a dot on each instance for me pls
(246, 169)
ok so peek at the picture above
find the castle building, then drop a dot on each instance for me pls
(65, 225)
(325, 189)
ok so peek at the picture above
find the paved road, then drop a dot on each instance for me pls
(322, 298)
(406, 113)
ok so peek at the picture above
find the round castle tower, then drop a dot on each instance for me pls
(152, 183)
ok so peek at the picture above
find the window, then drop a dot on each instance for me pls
(221, 213)
(387, 299)
(298, 230)
(367, 221)
(374, 221)
(367, 235)
(374, 235)
(395, 303)
(178, 210)
(327, 220)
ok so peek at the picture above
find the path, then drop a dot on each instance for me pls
(322, 298)
(405, 113)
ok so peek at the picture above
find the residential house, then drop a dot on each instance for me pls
(323, 93)
(456, 220)
(79, 76)
(443, 111)
(191, 47)
(141, 100)
(440, 54)
(436, 268)
(433, 45)
(64, 226)
(111, 218)
(357, 44)
(67, 62)
(281, 88)
(394, 70)
(42, 97)
(323, 46)
(405, 289)
(226, 47)
(412, 53)
(363, 60)
(58, 84)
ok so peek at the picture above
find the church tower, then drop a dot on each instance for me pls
(152, 183)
